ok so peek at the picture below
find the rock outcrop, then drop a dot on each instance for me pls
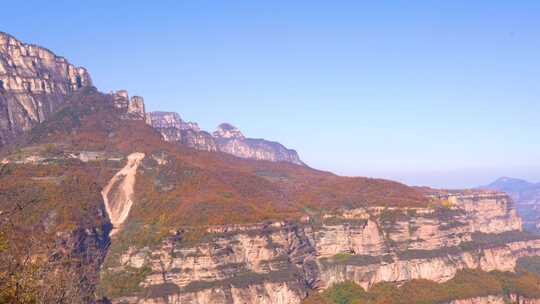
(280, 262)
(226, 138)
(34, 83)
(131, 108)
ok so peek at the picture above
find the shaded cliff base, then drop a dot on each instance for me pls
(468, 286)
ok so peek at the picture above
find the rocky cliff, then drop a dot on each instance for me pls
(230, 140)
(279, 262)
(174, 129)
(526, 195)
(226, 138)
(130, 108)
(34, 83)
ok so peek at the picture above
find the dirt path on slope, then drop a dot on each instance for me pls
(118, 193)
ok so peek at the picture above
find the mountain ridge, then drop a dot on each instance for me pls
(226, 138)
(35, 82)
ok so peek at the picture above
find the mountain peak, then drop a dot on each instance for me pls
(226, 130)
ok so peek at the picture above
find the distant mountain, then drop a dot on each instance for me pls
(520, 190)
(509, 184)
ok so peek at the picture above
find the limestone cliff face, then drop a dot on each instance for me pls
(174, 129)
(527, 198)
(226, 138)
(280, 262)
(34, 83)
(130, 108)
(230, 140)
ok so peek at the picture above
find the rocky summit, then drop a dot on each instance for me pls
(102, 202)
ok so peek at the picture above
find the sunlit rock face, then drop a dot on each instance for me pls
(171, 120)
(174, 129)
(34, 83)
(130, 108)
(259, 149)
(279, 262)
(231, 140)
(226, 138)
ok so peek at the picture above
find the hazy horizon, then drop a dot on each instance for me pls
(436, 94)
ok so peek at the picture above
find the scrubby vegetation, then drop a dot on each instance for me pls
(196, 187)
(466, 284)
(45, 213)
(124, 282)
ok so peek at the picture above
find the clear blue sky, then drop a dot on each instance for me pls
(440, 93)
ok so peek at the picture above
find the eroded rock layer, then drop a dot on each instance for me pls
(280, 262)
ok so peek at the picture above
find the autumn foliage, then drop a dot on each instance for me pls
(197, 187)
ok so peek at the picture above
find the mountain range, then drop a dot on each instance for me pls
(102, 202)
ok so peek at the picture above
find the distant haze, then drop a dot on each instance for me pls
(438, 93)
